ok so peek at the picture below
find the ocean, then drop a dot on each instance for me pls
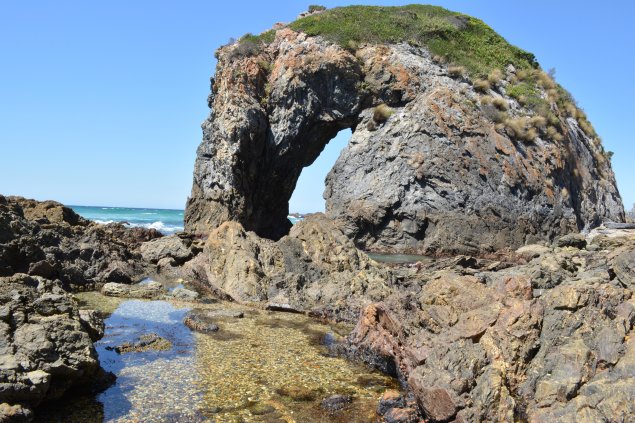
(163, 220)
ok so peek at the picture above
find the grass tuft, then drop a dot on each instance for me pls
(382, 113)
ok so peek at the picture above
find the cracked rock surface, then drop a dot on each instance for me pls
(434, 175)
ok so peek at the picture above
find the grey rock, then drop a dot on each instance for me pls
(200, 321)
(184, 294)
(92, 323)
(437, 175)
(336, 402)
(147, 291)
(166, 247)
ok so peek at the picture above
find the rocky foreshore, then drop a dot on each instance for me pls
(522, 311)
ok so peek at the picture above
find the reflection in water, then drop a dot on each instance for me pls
(271, 367)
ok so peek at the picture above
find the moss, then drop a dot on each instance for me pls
(460, 39)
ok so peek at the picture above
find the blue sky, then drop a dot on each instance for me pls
(101, 102)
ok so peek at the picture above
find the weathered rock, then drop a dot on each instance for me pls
(531, 251)
(166, 247)
(148, 291)
(572, 240)
(45, 345)
(401, 415)
(624, 268)
(49, 240)
(184, 294)
(92, 324)
(389, 399)
(438, 174)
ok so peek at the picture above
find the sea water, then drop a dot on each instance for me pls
(164, 220)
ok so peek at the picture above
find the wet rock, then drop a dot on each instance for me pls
(184, 294)
(233, 314)
(172, 247)
(146, 291)
(200, 321)
(148, 342)
(401, 415)
(285, 308)
(390, 399)
(572, 240)
(297, 393)
(336, 402)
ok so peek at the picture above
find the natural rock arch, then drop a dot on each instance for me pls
(434, 174)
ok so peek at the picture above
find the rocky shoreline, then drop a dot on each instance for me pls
(522, 310)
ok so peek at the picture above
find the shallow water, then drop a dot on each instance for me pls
(398, 258)
(271, 367)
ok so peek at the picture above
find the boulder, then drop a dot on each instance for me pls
(572, 240)
(147, 291)
(166, 247)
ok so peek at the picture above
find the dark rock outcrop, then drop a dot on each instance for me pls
(50, 240)
(435, 172)
(46, 345)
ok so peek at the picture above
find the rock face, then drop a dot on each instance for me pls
(315, 268)
(49, 240)
(45, 344)
(551, 340)
(434, 172)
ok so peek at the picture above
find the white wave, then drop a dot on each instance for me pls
(159, 226)
(149, 213)
(104, 222)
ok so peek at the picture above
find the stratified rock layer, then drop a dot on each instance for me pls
(434, 173)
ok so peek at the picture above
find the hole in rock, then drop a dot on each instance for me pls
(308, 195)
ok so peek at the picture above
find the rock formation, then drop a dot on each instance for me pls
(46, 345)
(49, 240)
(484, 158)
(46, 342)
(437, 161)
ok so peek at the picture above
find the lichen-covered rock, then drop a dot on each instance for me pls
(151, 290)
(433, 172)
(45, 345)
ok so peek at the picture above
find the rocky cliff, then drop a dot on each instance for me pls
(460, 142)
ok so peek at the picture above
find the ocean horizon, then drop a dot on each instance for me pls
(166, 221)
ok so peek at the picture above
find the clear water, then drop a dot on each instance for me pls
(398, 258)
(163, 220)
(267, 366)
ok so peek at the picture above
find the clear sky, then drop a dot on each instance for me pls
(101, 101)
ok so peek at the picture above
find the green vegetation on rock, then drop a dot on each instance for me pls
(460, 39)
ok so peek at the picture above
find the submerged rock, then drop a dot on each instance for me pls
(148, 342)
(200, 321)
(336, 402)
